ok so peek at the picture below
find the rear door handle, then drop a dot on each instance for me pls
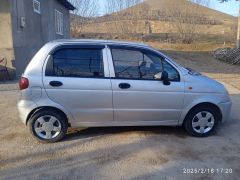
(124, 85)
(55, 83)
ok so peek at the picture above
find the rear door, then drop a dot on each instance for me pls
(77, 78)
(137, 95)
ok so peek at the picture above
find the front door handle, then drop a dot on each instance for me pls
(124, 85)
(56, 83)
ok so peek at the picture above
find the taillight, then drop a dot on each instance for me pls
(23, 83)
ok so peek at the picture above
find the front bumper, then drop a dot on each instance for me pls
(225, 109)
(24, 108)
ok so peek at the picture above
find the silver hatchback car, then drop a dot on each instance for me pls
(92, 83)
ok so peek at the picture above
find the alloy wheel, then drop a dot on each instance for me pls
(203, 122)
(47, 127)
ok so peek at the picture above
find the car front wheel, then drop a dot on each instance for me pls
(202, 121)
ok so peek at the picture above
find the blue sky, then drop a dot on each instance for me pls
(230, 7)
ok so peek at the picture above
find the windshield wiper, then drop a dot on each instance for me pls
(193, 72)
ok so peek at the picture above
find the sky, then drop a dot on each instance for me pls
(230, 7)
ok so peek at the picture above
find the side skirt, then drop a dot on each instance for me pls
(125, 123)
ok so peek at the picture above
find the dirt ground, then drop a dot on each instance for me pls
(124, 152)
(207, 65)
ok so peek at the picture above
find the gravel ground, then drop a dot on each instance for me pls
(9, 86)
(117, 152)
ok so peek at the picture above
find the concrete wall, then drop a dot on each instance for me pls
(6, 43)
(38, 29)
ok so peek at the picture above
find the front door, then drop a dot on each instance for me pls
(137, 94)
(76, 77)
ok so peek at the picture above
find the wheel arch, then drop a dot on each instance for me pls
(34, 111)
(202, 104)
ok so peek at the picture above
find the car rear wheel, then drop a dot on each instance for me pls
(48, 126)
(202, 121)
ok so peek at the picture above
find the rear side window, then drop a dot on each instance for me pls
(76, 62)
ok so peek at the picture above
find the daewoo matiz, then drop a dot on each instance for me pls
(90, 83)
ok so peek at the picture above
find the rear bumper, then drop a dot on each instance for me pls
(24, 108)
(226, 110)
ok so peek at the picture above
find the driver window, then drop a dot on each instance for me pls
(134, 64)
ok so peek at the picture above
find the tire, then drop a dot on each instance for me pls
(48, 126)
(202, 121)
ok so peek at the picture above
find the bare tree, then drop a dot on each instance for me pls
(123, 15)
(113, 6)
(186, 17)
(85, 11)
(238, 31)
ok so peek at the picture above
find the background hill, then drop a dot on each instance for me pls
(163, 20)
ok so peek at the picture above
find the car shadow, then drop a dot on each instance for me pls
(91, 132)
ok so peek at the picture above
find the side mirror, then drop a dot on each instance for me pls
(165, 79)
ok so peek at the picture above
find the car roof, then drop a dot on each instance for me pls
(96, 41)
